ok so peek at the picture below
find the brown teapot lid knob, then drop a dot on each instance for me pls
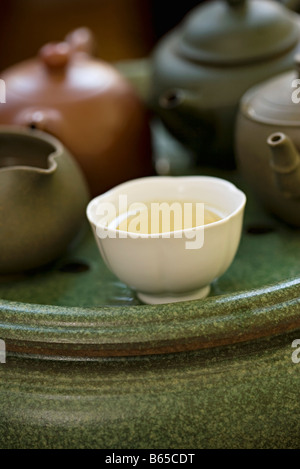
(81, 40)
(55, 55)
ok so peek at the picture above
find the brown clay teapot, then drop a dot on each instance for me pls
(87, 105)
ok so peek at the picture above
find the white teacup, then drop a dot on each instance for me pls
(171, 266)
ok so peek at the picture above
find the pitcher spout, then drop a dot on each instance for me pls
(285, 164)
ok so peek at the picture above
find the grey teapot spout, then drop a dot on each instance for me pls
(187, 112)
(285, 163)
(177, 99)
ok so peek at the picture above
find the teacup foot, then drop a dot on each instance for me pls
(162, 299)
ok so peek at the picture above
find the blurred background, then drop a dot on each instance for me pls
(124, 29)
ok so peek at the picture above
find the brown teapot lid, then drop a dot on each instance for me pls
(275, 101)
(237, 31)
(63, 71)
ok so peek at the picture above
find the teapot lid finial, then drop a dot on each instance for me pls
(55, 55)
(81, 40)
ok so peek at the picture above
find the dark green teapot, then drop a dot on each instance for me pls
(203, 67)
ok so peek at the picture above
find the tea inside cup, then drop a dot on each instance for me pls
(168, 238)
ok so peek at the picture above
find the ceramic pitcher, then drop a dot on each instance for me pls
(43, 196)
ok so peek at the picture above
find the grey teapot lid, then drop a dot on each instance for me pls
(237, 31)
(275, 101)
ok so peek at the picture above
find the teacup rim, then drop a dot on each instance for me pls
(166, 234)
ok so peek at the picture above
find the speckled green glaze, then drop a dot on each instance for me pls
(88, 366)
(242, 396)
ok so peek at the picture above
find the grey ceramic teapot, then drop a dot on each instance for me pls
(203, 67)
(268, 143)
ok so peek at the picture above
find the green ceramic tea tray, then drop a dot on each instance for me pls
(89, 366)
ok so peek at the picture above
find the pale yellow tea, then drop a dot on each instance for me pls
(164, 216)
